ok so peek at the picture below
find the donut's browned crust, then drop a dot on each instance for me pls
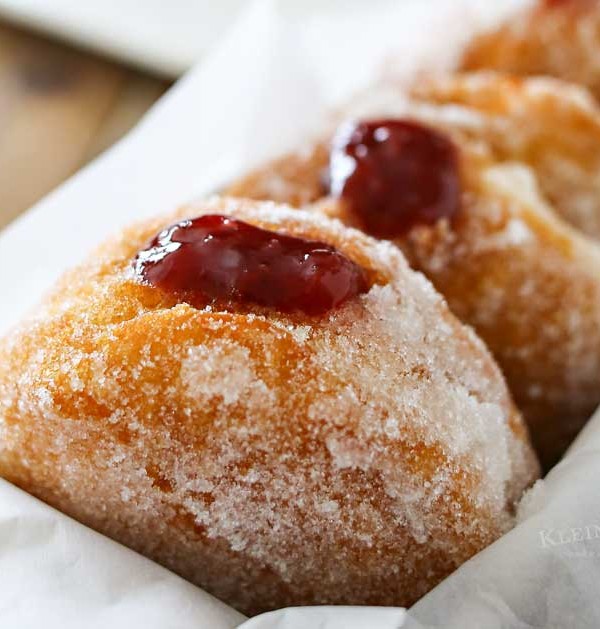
(510, 266)
(274, 460)
(559, 38)
(549, 125)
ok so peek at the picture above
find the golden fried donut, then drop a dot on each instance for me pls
(275, 458)
(551, 126)
(559, 38)
(516, 119)
(503, 256)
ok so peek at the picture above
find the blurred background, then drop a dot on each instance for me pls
(76, 75)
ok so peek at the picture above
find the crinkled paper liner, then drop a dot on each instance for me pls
(269, 84)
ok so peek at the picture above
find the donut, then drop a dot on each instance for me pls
(269, 403)
(560, 38)
(467, 177)
(517, 119)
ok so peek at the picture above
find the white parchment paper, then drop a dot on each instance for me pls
(54, 572)
(270, 83)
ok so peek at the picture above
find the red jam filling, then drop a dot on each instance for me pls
(217, 258)
(394, 174)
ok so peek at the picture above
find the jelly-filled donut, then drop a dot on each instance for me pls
(549, 125)
(270, 404)
(475, 197)
(559, 38)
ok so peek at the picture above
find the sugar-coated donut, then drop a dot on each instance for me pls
(354, 456)
(495, 241)
(549, 125)
(558, 38)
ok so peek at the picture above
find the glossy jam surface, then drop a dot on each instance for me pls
(221, 259)
(394, 174)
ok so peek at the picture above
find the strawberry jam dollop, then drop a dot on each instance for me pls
(216, 258)
(394, 174)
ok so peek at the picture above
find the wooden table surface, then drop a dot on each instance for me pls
(59, 108)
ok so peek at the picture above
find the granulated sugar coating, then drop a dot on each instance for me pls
(517, 261)
(518, 119)
(357, 457)
(559, 38)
